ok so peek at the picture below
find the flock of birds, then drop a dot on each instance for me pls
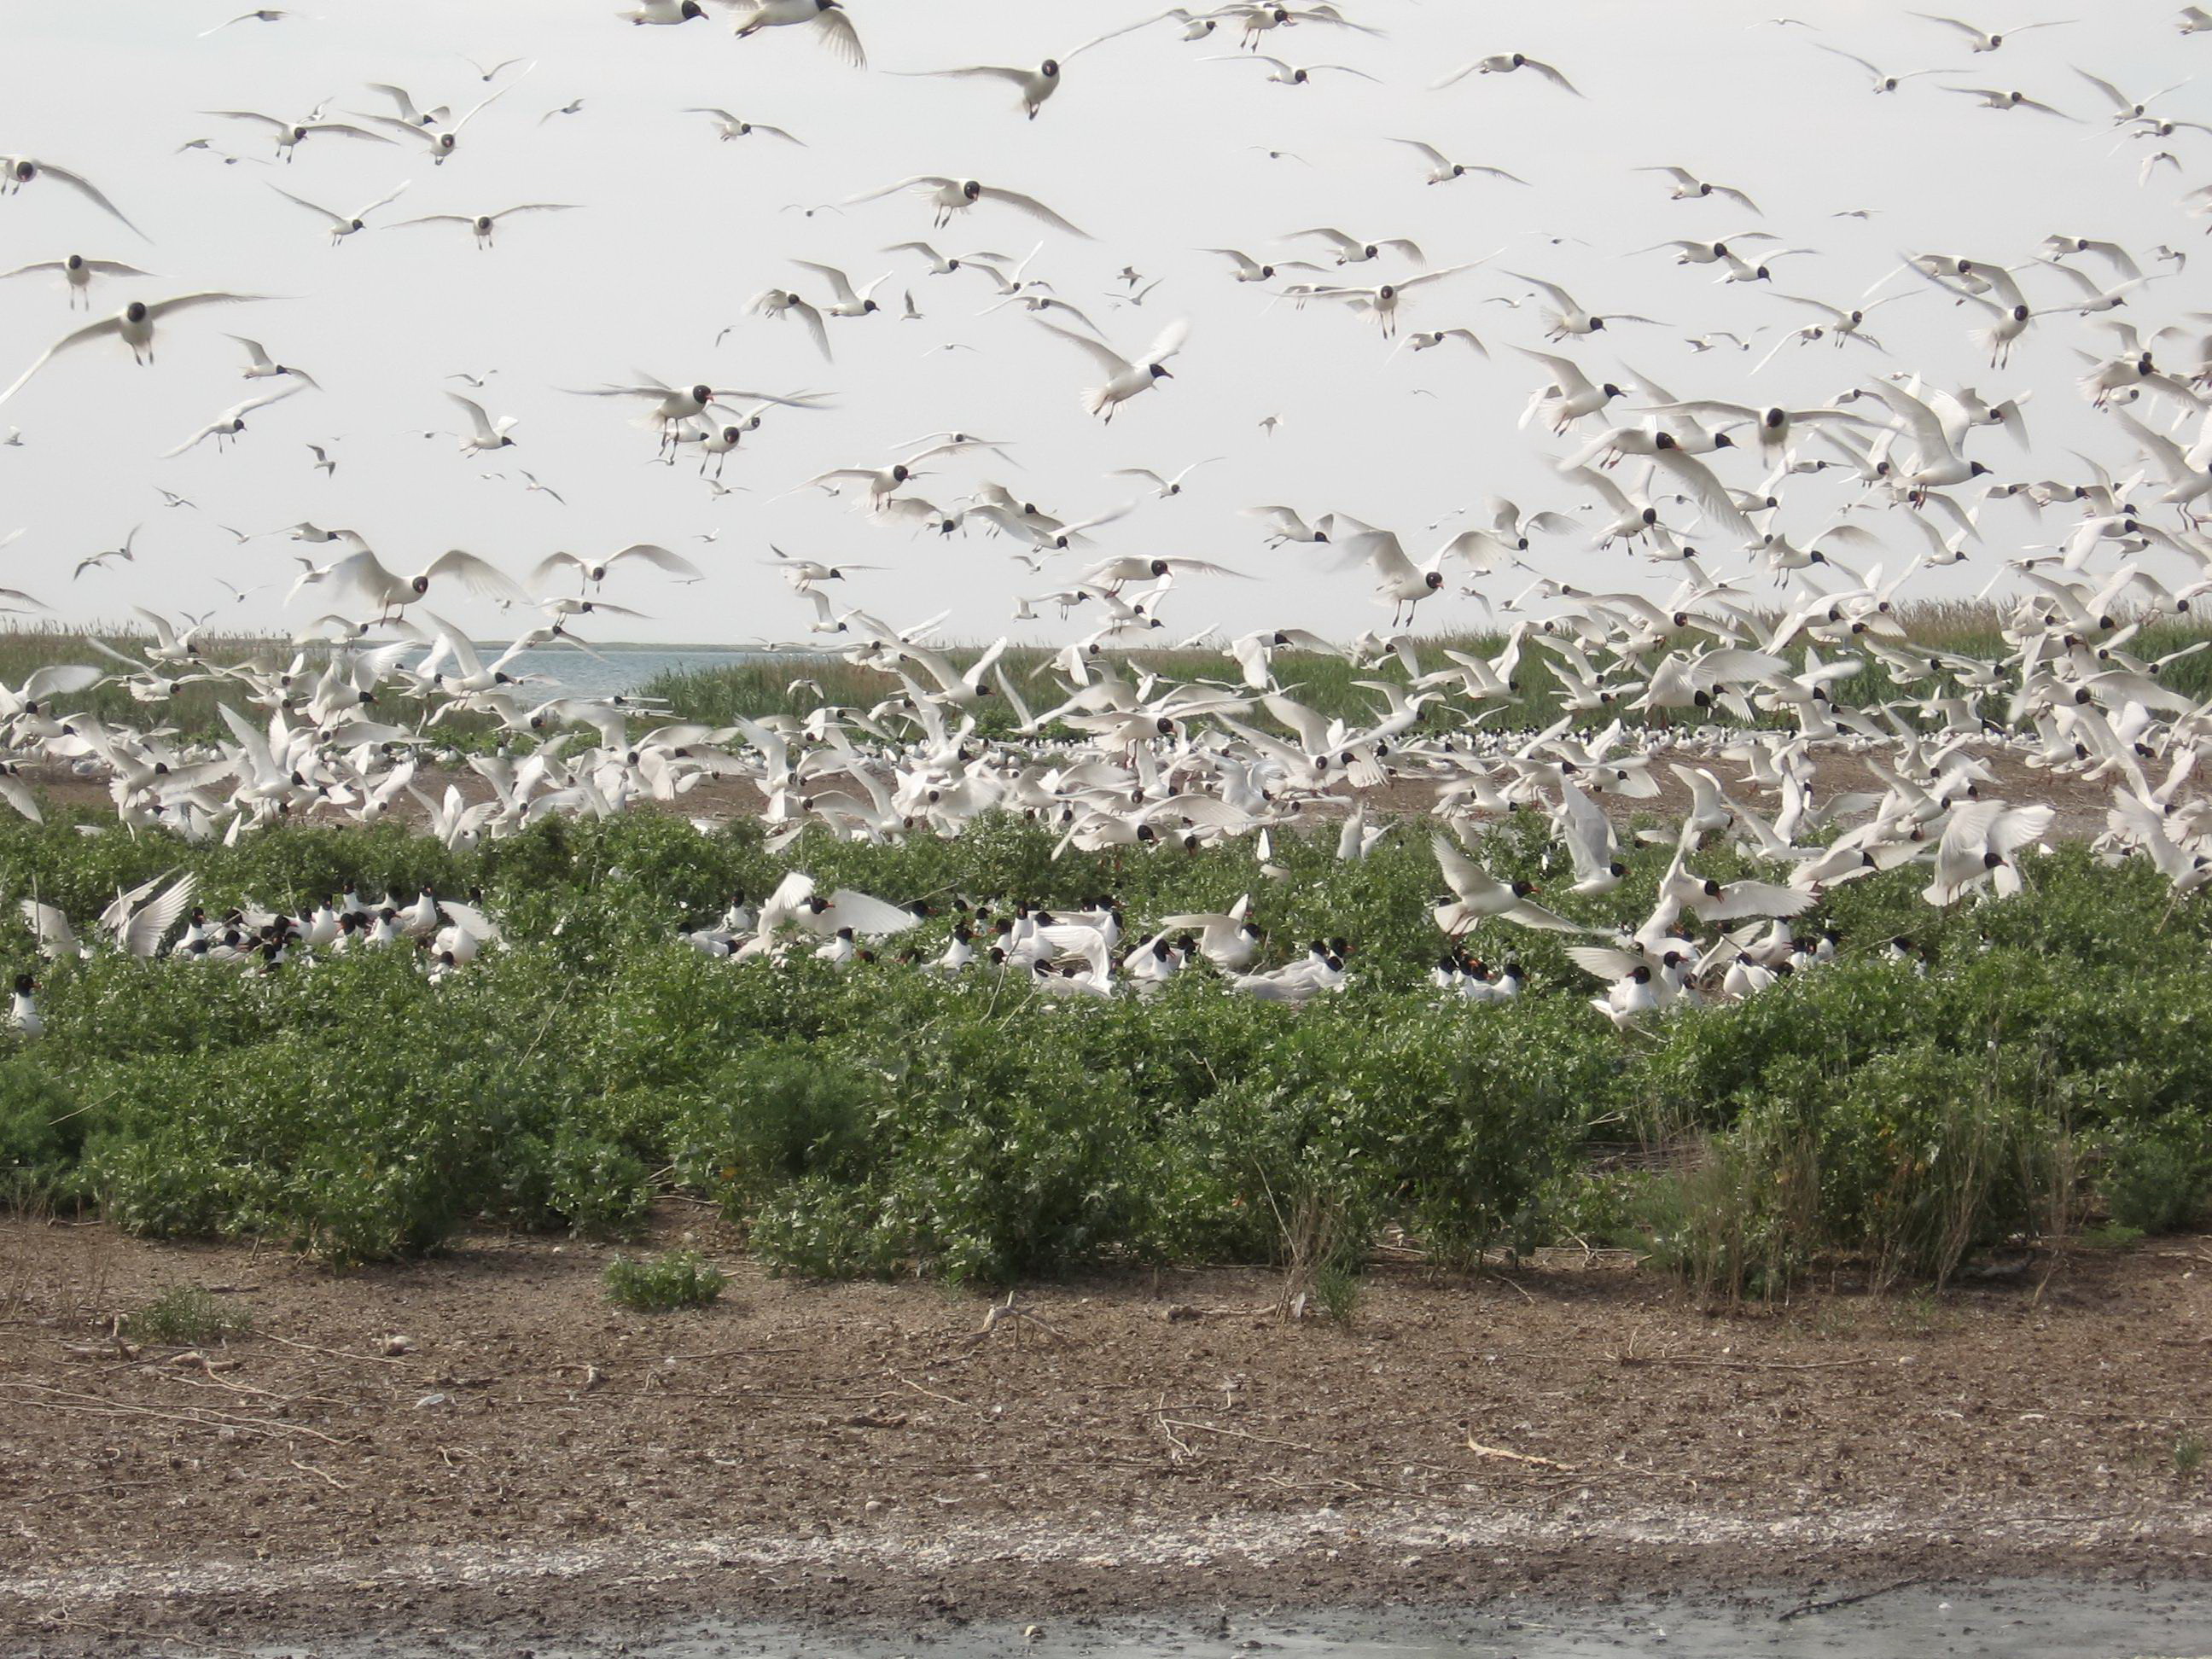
(1754, 612)
(1074, 953)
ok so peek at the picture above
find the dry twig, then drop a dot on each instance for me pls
(1511, 1456)
(1803, 1608)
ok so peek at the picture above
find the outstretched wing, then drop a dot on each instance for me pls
(89, 331)
(1034, 208)
(87, 189)
(864, 915)
(834, 29)
(1104, 355)
(143, 934)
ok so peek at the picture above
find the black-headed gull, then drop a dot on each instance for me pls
(77, 273)
(231, 422)
(291, 135)
(482, 225)
(949, 196)
(342, 224)
(1442, 169)
(133, 324)
(1125, 378)
(17, 171)
(1509, 63)
(1981, 39)
(732, 127)
(831, 22)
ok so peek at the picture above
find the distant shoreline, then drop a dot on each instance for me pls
(604, 646)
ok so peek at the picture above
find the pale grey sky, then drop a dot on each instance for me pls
(1149, 146)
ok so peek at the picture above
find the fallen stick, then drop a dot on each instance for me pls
(1851, 1601)
(309, 1468)
(97, 1489)
(1008, 1310)
(966, 1404)
(100, 1406)
(1344, 1481)
(247, 1387)
(1740, 1364)
(93, 1350)
(1504, 1281)
(194, 1356)
(335, 1354)
(1237, 1434)
(1512, 1456)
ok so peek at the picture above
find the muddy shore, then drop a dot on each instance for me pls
(480, 1442)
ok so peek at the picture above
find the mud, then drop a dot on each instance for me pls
(480, 1444)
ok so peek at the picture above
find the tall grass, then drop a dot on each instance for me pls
(192, 709)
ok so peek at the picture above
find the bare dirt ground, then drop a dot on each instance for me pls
(481, 1442)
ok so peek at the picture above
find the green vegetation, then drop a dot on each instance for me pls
(2055, 1062)
(191, 706)
(193, 698)
(185, 1316)
(2158, 1175)
(663, 1283)
(2189, 1454)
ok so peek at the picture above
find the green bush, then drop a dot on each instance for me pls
(42, 1130)
(1907, 1162)
(673, 1280)
(1741, 1217)
(599, 1187)
(820, 1229)
(2157, 1180)
(882, 1120)
(1926, 1155)
(185, 1316)
(777, 1115)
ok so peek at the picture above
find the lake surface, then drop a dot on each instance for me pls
(2027, 1620)
(619, 669)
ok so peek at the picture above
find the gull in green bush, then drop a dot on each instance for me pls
(1978, 840)
(135, 921)
(22, 1013)
(1320, 972)
(1479, 896)
(1228, 939)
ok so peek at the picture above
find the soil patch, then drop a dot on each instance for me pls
(480, 1441)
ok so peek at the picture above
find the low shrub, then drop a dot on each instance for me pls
(661, 1284)
(42, 1129)
(884, 1120)
(2157, 1179)
(776, 1115)
(185, 1316)
(1739, 1214)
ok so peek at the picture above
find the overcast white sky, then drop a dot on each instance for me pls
(1149, 146)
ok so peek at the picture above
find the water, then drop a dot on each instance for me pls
(2020, 1619)
(625, 668)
